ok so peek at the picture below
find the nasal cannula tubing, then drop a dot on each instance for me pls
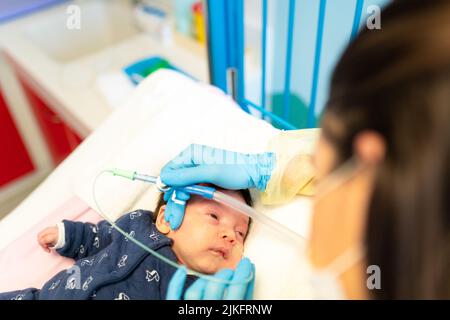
(144, 247)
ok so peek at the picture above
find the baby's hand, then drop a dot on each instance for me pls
(48, 237)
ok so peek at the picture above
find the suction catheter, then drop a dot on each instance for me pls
(220, 197)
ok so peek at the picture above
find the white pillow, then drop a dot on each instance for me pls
(172, 111)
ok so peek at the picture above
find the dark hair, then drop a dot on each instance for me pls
(396, 81)
(244, 192)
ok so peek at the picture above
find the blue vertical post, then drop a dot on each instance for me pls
(225, 20)
(238, 21)
(319, 37)
(357, 18)
(287, 81)
(263, 54)
(217, 43)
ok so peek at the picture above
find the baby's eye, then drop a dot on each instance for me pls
(214, 216)
(240, 233)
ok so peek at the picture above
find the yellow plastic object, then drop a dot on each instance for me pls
(199, 22)
(294, 171)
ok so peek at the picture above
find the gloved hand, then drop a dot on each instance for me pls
(176, 203)
(226, 169)
(202, 289)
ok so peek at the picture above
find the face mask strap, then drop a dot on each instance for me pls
(346, 260)
(344, 173)
(338, 177)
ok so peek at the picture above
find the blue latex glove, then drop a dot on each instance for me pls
(202, 289)
(176, 203)
(226, 169)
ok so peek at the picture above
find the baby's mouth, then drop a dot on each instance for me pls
(221, 252)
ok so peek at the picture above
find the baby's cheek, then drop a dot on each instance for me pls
(230, 264)
(235, 256)
(208, 265)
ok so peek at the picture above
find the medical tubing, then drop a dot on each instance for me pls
(204, 191)
(252, 213)
(133, 176)
(212, 193)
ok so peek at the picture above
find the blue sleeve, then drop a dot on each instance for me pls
(85, 239)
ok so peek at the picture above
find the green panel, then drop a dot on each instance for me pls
(298, 113)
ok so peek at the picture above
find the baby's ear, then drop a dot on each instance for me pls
(161, 224)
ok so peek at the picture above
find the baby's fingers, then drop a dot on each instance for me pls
(45, 247)
(42, 243)
(46, 240)
(45, 232)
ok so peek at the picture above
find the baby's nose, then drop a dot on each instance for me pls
(229, 235)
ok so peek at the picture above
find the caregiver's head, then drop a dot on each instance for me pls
(389, 112)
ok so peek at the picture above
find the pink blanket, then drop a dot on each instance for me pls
(25, 264)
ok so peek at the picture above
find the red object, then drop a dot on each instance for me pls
(61, 139)
(197, 7)
(14, 160)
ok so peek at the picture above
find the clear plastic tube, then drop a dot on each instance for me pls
(281, 230)
(220, 197)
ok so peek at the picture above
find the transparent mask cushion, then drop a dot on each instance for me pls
(206, 192)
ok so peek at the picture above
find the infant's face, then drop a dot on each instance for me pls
(211, 236)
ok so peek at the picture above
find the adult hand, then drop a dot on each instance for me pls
(203, 289)
(203, 164)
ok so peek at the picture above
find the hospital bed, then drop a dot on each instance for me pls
(167, 112)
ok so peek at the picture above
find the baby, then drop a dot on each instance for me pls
(110, 266)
